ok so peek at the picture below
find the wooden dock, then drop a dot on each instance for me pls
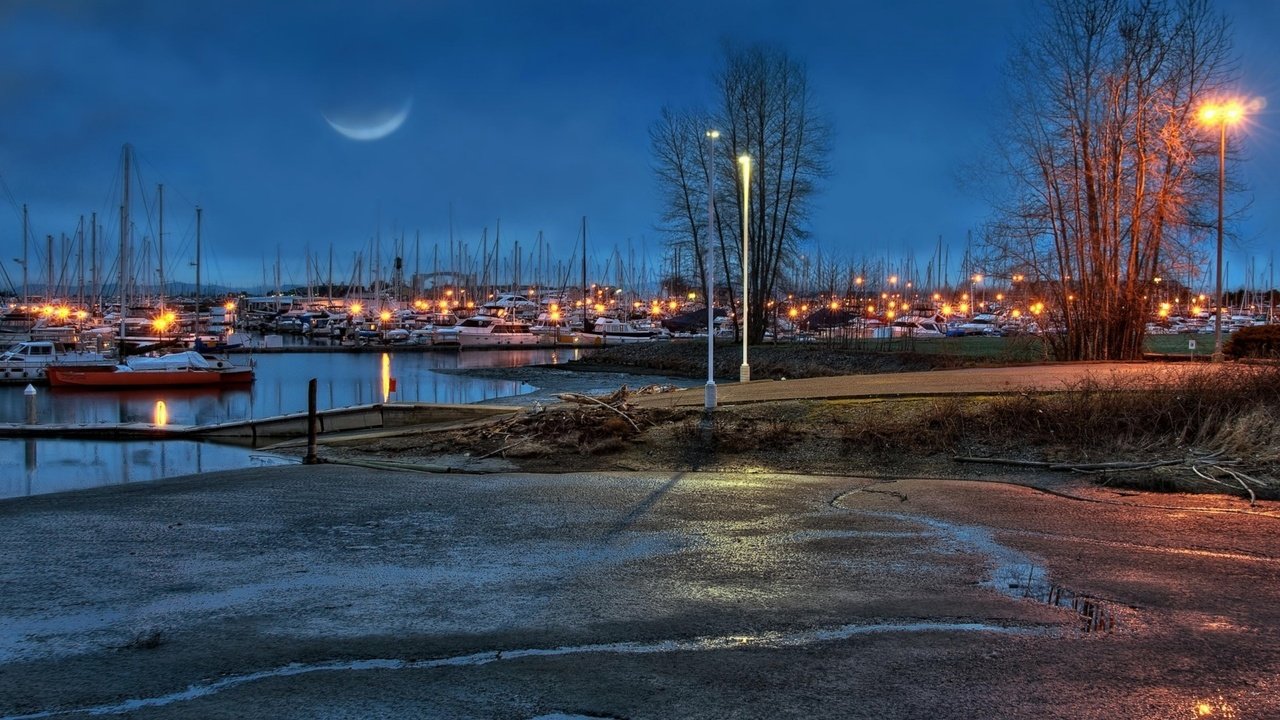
(258, 431)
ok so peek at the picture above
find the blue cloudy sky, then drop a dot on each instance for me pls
(535, 113)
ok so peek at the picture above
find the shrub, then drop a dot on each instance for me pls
(1258, 341)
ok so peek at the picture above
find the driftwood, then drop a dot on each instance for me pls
(1208, 466)
(587, 400)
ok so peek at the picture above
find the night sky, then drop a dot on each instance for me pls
(534, 113)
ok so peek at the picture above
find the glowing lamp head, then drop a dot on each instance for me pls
(1229, 112)
(792, 312)
(229, 306)
(385, 315)
(357, 308)
(713, 134)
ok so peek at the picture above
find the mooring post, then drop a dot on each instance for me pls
(30, 394)
(312, 424)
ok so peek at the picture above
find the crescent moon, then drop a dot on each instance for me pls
(375, 130)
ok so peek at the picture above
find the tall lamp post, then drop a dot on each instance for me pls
(744, 372)
(1220, 114)
(710, 400)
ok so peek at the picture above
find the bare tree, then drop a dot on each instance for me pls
(1105, 165)
(764, 110)
(681, 164)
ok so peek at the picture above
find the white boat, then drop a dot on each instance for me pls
(555, 330)
(510, 305)
(918, 327)
(612, 331)
(26, 361)
(490, 331)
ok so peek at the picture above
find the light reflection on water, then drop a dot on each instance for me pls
(35, 467)
(344, 379)
(41, 466)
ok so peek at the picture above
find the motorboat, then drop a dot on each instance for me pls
(491, 331)
(26, 361)
(555, 329)
(918, 327)
(612, 331)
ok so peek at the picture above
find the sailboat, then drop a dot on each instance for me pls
(181, 369)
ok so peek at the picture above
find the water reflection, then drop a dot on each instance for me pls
(386, 377)
(60, 465)
(344, 379)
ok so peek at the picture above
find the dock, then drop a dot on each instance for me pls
(260, 431)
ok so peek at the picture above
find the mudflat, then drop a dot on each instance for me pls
(343, 592)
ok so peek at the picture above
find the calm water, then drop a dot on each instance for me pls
(29, 467)
(344, 379)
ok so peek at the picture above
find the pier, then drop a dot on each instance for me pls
(256, 431)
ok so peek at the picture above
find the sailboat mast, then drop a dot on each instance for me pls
(585, 327)
(160, 243)
(124, 248)
(199, 214)
(48, 283)
(80, 263)
(26, 231)
(93, 259)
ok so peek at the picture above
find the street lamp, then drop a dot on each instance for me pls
(744, 372)
(1220, 114)
(710, 399)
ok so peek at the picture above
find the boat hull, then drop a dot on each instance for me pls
(111, 378)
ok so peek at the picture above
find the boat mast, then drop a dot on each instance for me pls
(48, 283)
(124, 248)
(80, 263)
(160, 240)
(26, 230)
(585, 327)
(199, 212)
(93, 260)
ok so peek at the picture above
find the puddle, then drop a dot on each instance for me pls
(765, 640)
(1093, 613)
(1013, 573)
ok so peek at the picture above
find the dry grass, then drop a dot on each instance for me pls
(1219, 428)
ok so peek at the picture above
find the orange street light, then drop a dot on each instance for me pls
(1220, 114)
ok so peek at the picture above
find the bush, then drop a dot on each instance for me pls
(1258, 341)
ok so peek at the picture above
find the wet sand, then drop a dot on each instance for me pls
(327, 592)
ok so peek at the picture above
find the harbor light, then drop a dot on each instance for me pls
(229, 306)
(384, 316)
(356, 308)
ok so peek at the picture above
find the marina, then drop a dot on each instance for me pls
(34, 465)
